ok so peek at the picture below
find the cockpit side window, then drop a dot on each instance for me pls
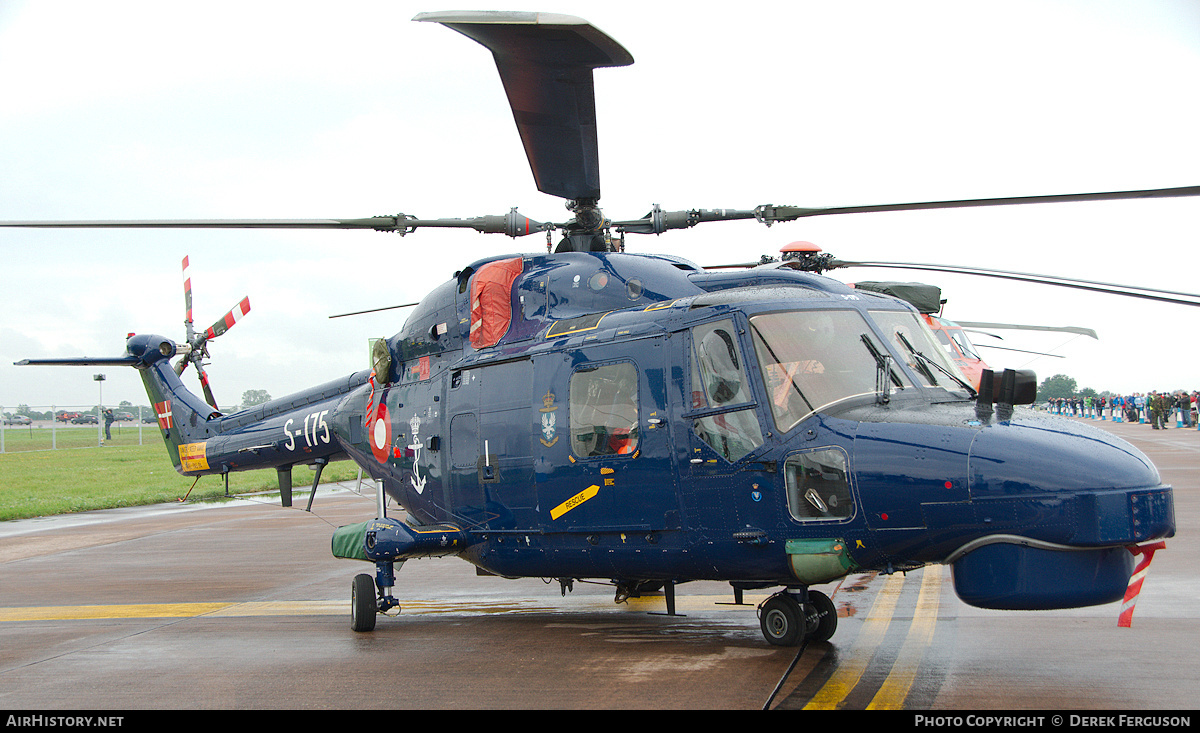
(722, 378)
(946, 344)
(719, 381)
(964, 344)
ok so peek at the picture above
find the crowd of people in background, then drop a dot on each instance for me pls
(1160, 409)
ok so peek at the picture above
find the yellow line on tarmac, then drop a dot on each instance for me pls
(851, 670)
(140, 610)
(699, 603)
(899, 681)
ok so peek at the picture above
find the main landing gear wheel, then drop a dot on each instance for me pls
(785, 621)
(826, 613)
(362, 603)
(782, 620)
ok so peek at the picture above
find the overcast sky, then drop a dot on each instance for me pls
(316, 110)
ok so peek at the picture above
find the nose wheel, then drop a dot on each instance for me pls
(363, 608)
(371, 596)
(792, 616)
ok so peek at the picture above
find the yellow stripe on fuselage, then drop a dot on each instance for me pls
(574, 501)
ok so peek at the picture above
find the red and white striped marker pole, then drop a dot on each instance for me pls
(1135, 581)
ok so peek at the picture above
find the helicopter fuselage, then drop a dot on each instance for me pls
(641, 419)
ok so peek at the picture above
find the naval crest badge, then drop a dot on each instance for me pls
(549, 421)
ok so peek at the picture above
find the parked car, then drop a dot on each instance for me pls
(17, 420)
(64, 416)
(84, 419)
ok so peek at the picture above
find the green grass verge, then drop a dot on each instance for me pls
(46, 482)
(41, 437)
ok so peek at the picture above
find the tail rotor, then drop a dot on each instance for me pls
(196, 348)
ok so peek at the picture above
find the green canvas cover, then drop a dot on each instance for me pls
(925, 298)
(349, 542)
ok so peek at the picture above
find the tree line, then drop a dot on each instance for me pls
(249, 398)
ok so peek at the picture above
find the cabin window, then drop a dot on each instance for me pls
(818, 485)
(718, 382)
(604, 410)
(811, 359)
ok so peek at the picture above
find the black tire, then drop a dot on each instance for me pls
(363, 608)
(782, 620)
(826, 616)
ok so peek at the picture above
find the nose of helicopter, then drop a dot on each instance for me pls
(1057, 503)
(1022, 454)
(1073, 483)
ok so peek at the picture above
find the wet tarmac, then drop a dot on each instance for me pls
(242, 606)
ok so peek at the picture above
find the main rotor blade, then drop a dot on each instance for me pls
(514, 224)
(789, 213)
(1023, 351)
(659, 221)
(1098, 287)
(1063, 329)
(382, 223)
(376, 310)
(545, 62)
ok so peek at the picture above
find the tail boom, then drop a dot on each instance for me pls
(201, 441)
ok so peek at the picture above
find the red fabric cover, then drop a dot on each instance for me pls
(491, 301)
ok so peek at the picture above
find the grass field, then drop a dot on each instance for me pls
(41, 437)
(35, 481)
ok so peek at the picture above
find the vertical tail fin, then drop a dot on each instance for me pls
(182, 416)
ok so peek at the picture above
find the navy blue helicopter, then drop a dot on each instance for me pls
(637, 419)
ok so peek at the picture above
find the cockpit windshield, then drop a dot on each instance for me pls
(950, 330)
(915, 343)
(813, 358)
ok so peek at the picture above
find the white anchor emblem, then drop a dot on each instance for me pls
(417, 481)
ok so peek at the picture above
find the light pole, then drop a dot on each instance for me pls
(100, 410)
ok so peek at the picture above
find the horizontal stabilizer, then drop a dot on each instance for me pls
(82, 361)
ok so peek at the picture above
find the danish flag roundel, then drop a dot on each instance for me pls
(379, 433)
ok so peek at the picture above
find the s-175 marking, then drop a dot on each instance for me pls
(315, 431)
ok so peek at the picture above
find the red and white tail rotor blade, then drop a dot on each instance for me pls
(230, 318)
(208, 395)
(187, 291)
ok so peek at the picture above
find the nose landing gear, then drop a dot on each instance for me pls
(366, 602)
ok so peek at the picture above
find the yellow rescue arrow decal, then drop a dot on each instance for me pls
(574, 501)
